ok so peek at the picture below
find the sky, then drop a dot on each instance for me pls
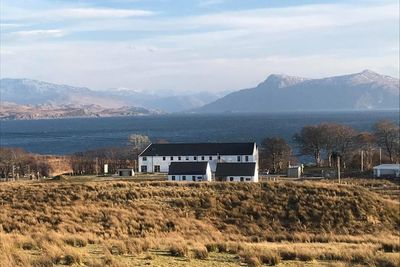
(194, 45)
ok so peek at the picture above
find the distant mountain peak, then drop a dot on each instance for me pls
(281, 81)
(366, 90)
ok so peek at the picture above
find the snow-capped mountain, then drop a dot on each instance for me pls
(34, 92)
(366, 90)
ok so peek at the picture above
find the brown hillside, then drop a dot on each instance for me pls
(217, 211)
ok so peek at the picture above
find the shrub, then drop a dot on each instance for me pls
(252, 261)
(76, 242)
(212, 247)
(179, 250)
(200, 253)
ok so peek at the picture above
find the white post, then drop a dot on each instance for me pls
(338, 169)
(362, 160)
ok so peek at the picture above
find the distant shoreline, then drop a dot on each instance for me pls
(316, 112)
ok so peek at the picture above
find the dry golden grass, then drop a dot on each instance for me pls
(114, 222)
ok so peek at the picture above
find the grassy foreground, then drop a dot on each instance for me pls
(122, 223)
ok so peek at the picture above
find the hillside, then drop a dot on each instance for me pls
(12, 111)
(37, 93)
(162, 213)
(366, 90)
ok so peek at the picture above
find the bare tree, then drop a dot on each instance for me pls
(139, 142)
(338, 138)
(311, 141)
(275, 153)
(366, 142)
(387, 136)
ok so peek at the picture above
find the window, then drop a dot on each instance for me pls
(193, 178)
(183, 178)
(187, 158)
(202, 157)
(163, 158)
(143, 168)
(241, 179)
(238, 158)
(199, 178)
(172, 158)
(248, 179)
(173, 177)
(144, 158)
(219, 157)
(210, 158)
(247, 158)
(231, 179)
(194, 158)
(156, 168)
(179, 158)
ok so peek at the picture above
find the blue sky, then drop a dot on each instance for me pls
(194, 45)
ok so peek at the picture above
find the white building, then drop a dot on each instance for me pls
(387, 170)
(237, 172)
(124, 173)
(189, 171)
(158, 157)
(294, 171)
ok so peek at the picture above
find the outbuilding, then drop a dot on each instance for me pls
(189, 171)
(294, 171)
(387, 171)
(124, 173)
(237, 172)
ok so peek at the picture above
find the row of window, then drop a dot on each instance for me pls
(239, 158)
(241, 179)
(184, 178)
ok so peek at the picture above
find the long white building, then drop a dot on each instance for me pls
(158, 157)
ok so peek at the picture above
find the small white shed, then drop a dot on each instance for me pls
(294, 171)
(124, 173)
(387, 170)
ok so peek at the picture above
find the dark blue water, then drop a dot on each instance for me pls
(65, 136)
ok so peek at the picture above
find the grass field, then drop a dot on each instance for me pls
(90, 221)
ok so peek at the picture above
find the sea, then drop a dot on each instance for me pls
(67, 136)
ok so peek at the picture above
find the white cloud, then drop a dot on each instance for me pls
(40, 33)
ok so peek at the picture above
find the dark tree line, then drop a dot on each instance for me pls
(325, 141)
(331, 138)
(16, 163)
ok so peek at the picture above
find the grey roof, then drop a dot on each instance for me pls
(235, 169)
(198, 149)
(189, 168)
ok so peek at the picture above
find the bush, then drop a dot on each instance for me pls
(76, 242)
(252, 261)
(200, 253)
(179, 250)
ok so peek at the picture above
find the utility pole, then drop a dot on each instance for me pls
(362, 160)
(97, 166)
(380, 156)
(338, 168)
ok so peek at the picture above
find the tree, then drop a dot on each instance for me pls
(138, 142)
(311, 141)
(366, 142)
(338, 138)
(387, 136)
(276, 152)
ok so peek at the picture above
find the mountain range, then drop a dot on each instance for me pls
(366, 90)
(34, 92)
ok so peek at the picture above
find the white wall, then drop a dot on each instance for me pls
(152, 161)
(248, 179)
